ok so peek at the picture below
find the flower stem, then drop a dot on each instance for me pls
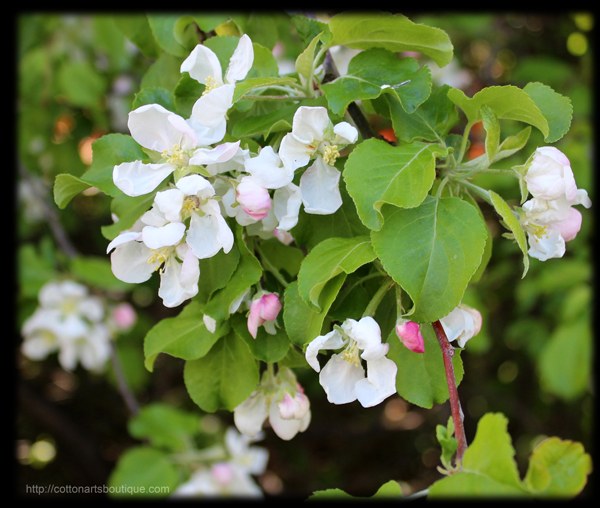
(457, 414)
(377, 297)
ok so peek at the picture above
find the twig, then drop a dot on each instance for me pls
(457, 414)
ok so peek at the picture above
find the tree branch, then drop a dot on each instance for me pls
(457, 414)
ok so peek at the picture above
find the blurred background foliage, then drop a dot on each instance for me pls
(77, 75)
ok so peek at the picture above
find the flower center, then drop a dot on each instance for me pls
(350, 354)
(537, 230)
(190, 204)
(211, 84)
(330, 154)
(176, 156)
(160, 257)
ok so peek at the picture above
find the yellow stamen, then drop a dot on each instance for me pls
(211, 84)
(330, 154)
(350, 354)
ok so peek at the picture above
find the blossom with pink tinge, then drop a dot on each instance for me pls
(410, 335)
(263, 311)
(254, 199)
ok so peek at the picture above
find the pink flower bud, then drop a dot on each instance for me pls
(124, 316)
(410, 335)
(569, 227)
(222, 472)
(253, 198)
(263, 308)
(550, 175)
(293, 407)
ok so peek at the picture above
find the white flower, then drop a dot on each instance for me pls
(268, 170)
(281, 400)
(157, 129)
(68, 321)
(314, 134)
(133, 261)
(208, 232)
(550, 176)
(549, 224)
(343, 377)
(203, 65)
(462, 324)
(286, 206)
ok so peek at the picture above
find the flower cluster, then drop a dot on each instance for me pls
(232, 477)
(549, 218)
(75, 324)
(278, 398)
(343, 377)
(213, 180)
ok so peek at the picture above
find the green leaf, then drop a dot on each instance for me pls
(244, 87)
(507, 102)
(137, 29)
(492, 131)
(488, 466)
(66, 187)
(81, 83)
(377, 173)
(448, 443)
(304, 62)
(281, 256)
(96, 271)
(223, 378)
(421, 377)
(155, 95)
(556, 108)
(432, 251)
(109, 151)
(558, 469)
(143, 471)
(431, 121)
(394, 32)
(301, 322)
(565, 363)
(164, 426)
(183, 336)
(327, 260)
(163, 27)
(374, 72)
(128, 209)
(247, 273)
(514, 226)
(215, 272)
(266, 347)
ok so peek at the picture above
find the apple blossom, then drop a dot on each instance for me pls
(343, 377)
(410, 335)
(203, 65)
(549, 175)
(268, 170)
(278, 398)
(462, 324)
(133, 261)
(208, 232)
(157, 129)
(263, 312)
(253, 198)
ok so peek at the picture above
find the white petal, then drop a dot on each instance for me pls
(127, 236)
(169, 202)
(551, 245)
(154, 127)
(221, 153)
(170, 234)
(379, 384)
(267, 169)
(196, 185)
(136, 178)
(319, 186)
(338, 378)
(285, 429)
(241, 60)
(209, 234)
(208, 135)
(310, 123)
(250, 415)
(190, 269)
(201, 63)
(286, 205)
(367, 334)
(294, 153)
(331, 340)
(171, 290)
(210, 109)
(346, 133)
(129, 263)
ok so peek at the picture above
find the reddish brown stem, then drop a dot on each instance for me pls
(457, 414)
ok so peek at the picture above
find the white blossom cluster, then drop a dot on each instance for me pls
(214, 179)
(73, 323)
